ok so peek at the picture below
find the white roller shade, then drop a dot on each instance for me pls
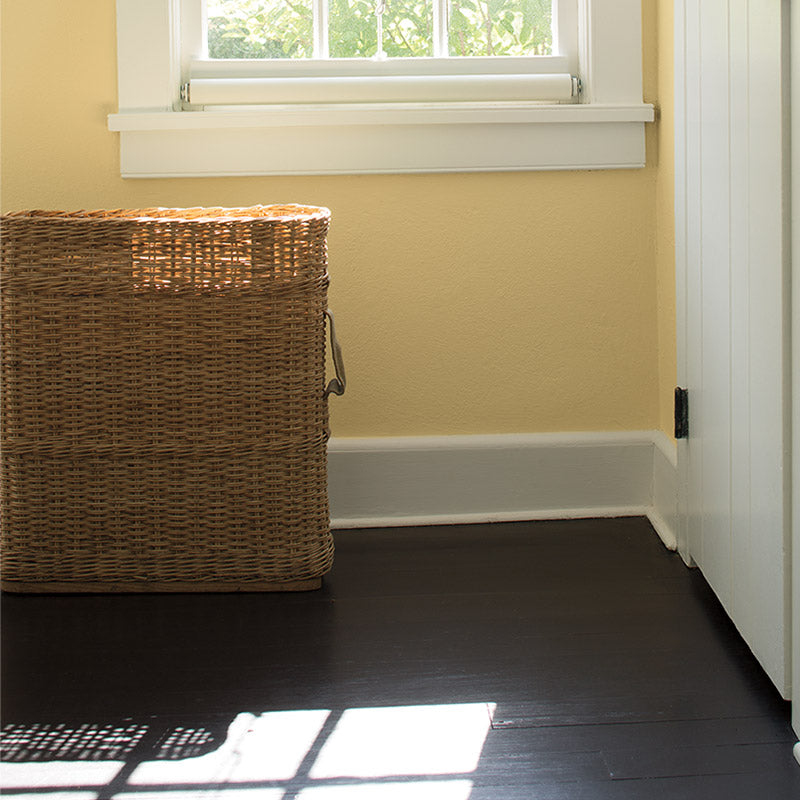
(380, 89)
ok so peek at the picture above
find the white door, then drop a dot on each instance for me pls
(732, 223)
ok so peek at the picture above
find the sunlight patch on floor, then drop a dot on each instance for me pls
(232, 793)
(57, 774)
(65, 795)
(405, 740)
(407, 790)
(264, 747)
(380, 753)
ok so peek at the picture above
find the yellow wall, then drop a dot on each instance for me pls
(665, 216)
(472, 303)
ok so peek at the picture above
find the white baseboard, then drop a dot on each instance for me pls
(664, 507)
(442, 480)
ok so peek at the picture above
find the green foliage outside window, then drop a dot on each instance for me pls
(353, 31)
(260, 29)
(284, 28)
(500, 28)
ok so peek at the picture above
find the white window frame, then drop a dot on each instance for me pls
(160, 136)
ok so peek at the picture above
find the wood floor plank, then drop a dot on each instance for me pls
(695, 760)
(647, 736)
(781, 785)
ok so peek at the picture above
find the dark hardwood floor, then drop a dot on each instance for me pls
(569, 660)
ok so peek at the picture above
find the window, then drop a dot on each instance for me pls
(248, 87)
(257, 29)
(358, 51)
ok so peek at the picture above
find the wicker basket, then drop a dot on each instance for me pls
(164, 413)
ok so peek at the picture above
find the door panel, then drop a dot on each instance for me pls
(731, 167)
(712, 550)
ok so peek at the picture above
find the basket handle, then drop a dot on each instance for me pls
(335, 385)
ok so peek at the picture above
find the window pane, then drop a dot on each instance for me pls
(260, 29)
(501, 27)
(408, 28)
(353, 28)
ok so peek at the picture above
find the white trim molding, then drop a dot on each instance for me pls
(663, 511)
(160, 136)
(377, 140)
(440, 480)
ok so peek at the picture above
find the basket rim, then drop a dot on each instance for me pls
(279, 212)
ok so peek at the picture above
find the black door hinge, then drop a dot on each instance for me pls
(681, 413)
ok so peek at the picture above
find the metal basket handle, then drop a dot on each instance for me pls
(335, 385)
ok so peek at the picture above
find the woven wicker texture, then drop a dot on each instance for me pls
(163, 417)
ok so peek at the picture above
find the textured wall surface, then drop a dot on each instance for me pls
(466, 303)
(665, 215)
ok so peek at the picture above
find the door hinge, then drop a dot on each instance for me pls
(681, 413)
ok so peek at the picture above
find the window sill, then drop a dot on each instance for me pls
(380, 138)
